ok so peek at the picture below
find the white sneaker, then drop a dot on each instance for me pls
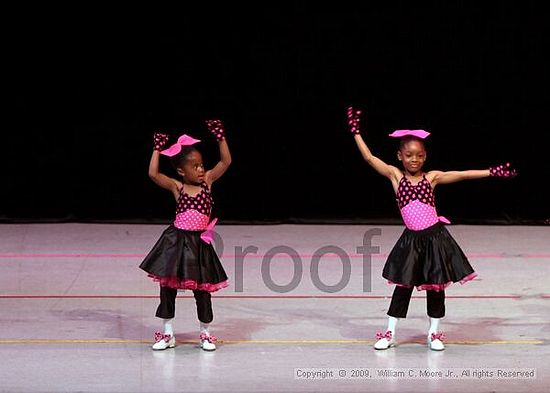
(208, 342)
(163, 341)
(385, 340)
(435, 341)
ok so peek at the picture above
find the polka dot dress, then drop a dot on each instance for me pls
(417, 204)
(408, 192)
(193, 212)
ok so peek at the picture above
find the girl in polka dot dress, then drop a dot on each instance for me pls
(426, 256)
(183, 257)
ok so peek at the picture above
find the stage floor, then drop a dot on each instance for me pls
(300, 314)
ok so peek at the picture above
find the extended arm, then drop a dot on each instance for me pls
(159, 140)
(216, 128)
(439, 177)
(380, 166)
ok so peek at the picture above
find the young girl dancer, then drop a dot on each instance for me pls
(183, 257)
(426, 256)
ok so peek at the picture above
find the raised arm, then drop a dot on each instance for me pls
(216, 128)
(380, 166)
(159, 140)
(440, 177)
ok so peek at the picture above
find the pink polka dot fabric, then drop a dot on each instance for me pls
(418, 216)
(417, 204)
(193, 212)
(191, 220)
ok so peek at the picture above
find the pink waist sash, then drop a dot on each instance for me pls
(192, 220)
(418, 216)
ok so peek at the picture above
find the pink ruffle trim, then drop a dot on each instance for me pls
(436, 287)
(433, 287)
(176, 283)
(469, 277)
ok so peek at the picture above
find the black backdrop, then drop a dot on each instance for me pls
(87, 91)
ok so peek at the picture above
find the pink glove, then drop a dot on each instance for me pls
(353, 120)
(159, 140)
(503, 171)
(216, 128)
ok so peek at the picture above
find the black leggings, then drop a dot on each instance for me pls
(167, 306)
(402, 296)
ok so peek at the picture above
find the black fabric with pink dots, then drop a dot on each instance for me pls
(216, 128)
(159, 140)
(202, 202)
(408, 192)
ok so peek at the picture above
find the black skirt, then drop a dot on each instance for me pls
(429, 259)
(181, 259)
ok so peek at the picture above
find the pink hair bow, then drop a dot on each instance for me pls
(184, 140)
(418, 133)
(206, 236)
(386, 335)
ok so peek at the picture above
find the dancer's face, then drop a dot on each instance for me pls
(192, 169)
(413, 155)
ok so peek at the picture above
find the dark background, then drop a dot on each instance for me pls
(87, 90)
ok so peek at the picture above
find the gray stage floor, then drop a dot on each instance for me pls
(77, 314)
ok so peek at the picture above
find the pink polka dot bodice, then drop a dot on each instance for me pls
(193, 212)
(417, 204)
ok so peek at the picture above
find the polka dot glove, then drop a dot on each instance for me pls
(503, 171)
(216, 128)
(159, 140)
(353, 120)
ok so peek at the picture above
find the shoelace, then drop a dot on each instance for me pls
(387, 335)
(209, 338)
(437, 336)
(159, 337)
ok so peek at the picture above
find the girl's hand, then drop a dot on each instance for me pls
(505, 170)
(216, 128)
(159, 140)
(353, 120)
